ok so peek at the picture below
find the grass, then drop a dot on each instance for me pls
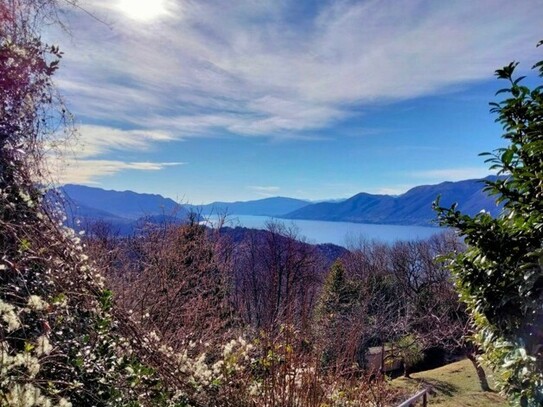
(455, 385)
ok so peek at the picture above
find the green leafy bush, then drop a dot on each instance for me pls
(500, 275)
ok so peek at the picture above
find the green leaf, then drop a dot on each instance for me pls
(507, 157)
(504, 90)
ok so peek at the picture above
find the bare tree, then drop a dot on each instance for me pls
(276, 278)
(170, 278)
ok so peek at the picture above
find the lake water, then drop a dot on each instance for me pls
(340, 233)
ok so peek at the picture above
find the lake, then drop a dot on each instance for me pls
(339, 233)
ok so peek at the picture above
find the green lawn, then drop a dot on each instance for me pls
(455, 385)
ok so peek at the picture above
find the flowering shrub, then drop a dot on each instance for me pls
(61, 343)
(272, 371)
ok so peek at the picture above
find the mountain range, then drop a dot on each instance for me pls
(124, 209)
(411, 208)
(92, 202)
(275, 207)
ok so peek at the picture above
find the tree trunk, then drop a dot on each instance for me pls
(406, 370)
(480, 372)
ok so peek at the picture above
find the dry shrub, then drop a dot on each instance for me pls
(286, 374)
(169, 278)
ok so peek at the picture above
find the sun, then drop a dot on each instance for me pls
(142, 10)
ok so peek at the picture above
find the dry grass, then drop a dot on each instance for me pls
(455, 385)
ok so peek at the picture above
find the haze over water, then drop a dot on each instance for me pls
(339, 233)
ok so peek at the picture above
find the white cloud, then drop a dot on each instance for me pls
(266, 191)
(78, 159)
(250, 69)
(90, 171)
(451, 174)
(93, 141)
(254, 72)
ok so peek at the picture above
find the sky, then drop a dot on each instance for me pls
(214, 100)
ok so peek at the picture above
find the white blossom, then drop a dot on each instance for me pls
(43, 346)
(37, 303)
(7, 311)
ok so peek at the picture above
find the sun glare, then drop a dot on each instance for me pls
(142, 10)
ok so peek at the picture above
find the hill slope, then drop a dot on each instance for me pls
(454, 385)
(412, 208)
(124, 204)
(124, 211)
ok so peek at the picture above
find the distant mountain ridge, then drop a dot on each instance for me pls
(124, 209)
(133, 205)
(411, 208)
(124, 204)
(276, 206)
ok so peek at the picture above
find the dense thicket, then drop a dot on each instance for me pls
(275, 288)
(61, 340)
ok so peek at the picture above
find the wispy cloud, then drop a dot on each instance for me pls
(266, 191)
(249, 61)
(80, 161)
(392, 190)
(451, 174)
(250, 69)
(93, 141)
(90, 171)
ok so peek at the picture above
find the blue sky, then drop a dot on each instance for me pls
(237, 100)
